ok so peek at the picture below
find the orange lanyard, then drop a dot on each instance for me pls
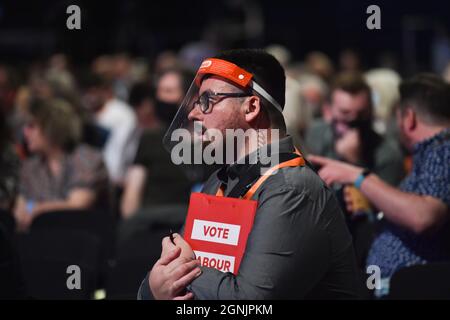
(290, 163)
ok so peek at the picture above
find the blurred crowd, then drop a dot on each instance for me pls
(74, 139)
(90, 137)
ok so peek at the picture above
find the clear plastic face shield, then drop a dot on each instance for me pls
(187, 137)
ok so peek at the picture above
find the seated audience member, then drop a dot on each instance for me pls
(155, 189)
(62, 174)
(9, 167)
(349, 136)
(153, 179)
(171, 85)
(142, 100)
(320, 64)
(414, 228)
(384, 83)
(115, 116)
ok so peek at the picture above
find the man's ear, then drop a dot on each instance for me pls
(252, 109)
(410, 119)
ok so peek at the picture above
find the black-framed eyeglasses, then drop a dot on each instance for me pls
(208, 99)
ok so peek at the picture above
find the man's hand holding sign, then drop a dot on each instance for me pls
(218, 245)
(175, 269)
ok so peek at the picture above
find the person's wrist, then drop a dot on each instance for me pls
(30, 207)
(37, 209)
(361, 175)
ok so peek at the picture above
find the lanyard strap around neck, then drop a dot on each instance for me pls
(296, 162)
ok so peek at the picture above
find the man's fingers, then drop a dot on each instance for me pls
(180, 242)
(347, 195)
(322, 173)
(186, 280)
(329, 180)
(168, 258)
(167, 243)
(349, 205)
(177, 239)
(166, 246)
(318, 160)
(348, 198)
(325, 176)
(187, 296)
(349, 208)
(180, 267)
(347, 191)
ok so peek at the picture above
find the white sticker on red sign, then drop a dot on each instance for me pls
(216, 232)
(212, 260)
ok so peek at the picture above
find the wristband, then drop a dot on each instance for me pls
(359, 180)
(30, 206)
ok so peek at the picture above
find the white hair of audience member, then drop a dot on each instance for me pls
(313, 88)
(295, 111)
(319, 63)
(139, 70)
(58, 74)
(384, 84)
(281, 53)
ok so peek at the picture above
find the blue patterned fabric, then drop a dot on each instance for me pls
(396, 247)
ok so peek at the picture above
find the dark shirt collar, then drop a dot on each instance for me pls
(237, 170)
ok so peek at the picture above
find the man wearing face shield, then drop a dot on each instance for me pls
(298, 246)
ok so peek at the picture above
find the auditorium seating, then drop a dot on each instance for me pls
(135, 257)
(45, 256)
(11, 282)
(7, 220)
(59, 239)
(99, 223)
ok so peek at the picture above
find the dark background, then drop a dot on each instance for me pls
(34, 29)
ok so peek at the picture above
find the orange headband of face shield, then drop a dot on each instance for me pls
(225, 70)
(235, 74)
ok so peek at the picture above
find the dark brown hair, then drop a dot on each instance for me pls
(58, 121)
(352, 83)
(429, 96)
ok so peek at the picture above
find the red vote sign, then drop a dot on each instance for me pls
(217, 229)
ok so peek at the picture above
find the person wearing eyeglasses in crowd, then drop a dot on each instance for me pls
(299, 246)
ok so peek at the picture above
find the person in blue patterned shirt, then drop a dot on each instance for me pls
(415, 227)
